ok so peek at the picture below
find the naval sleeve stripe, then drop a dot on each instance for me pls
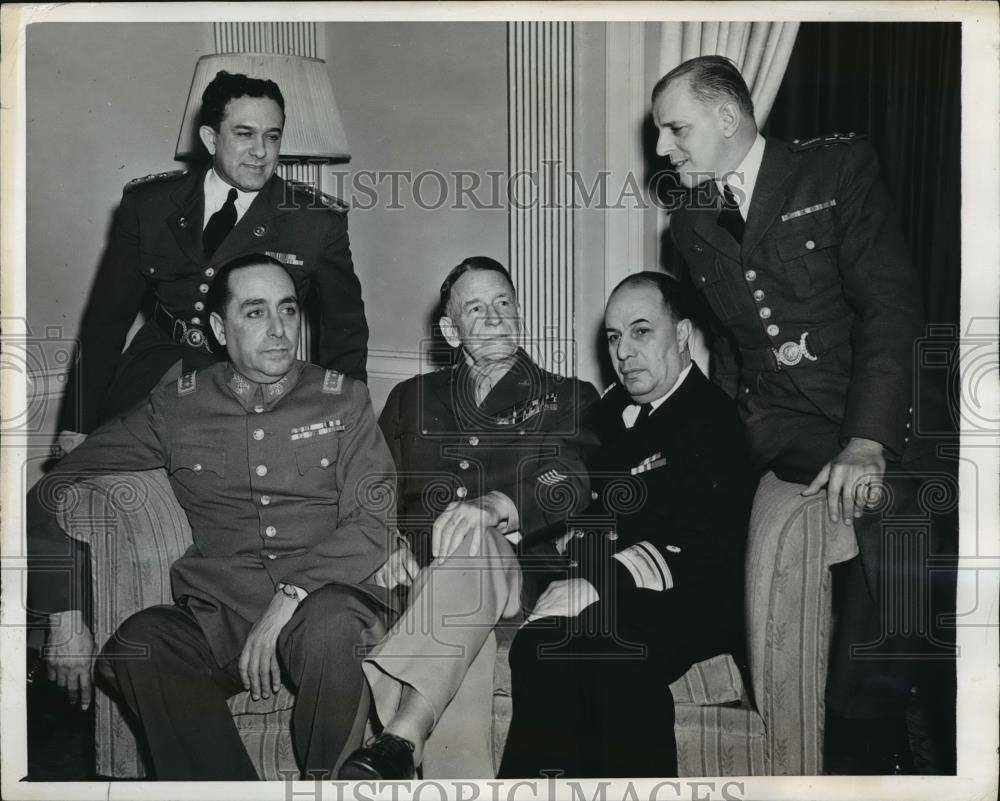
(647, 566)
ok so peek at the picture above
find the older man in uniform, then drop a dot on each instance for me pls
(798, 252)
(655, 579)
(488, 450)
(271, 458)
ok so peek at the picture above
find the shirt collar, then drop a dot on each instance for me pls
(216, 192)
(743, 179)
(630, 412)
(261, 397)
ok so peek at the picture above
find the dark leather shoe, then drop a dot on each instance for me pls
(386, 756)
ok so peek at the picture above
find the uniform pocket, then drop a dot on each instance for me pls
(707, 277)
(318, 455)
(809, 257)
(197, 459)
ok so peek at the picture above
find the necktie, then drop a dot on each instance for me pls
(644, 411)
(219, 225)
(729, 216)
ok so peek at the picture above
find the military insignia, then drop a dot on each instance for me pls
(798, 145)
(809, 210)
(548, 403)
(318, 198)
(275, 390)
(316, 429)
(649, 463)
(333, 382)
(186, 384)
(153, 178)
(648, 567)
(240, 385)
(551, 478)
(259, 230)
(285, 258)
(791, 353)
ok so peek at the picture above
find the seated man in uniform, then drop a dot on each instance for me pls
(658, 585)
(487, 450)
(269, 457)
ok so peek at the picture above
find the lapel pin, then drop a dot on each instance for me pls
(259, 230)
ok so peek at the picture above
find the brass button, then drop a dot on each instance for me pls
(152, 270)
(750, 275)
(199, 306)
(195, 321)
(463, 465)
(461, 492)
(473, 441)
(673, 549)
(758, 295)
(765, 313)
(258, 434)
(197, 468)
(210, 271)
(773, 330)
(272, 556)
(270, 531)
(810, 245)
(265, 500)
(258, 408)
(261, 470)
(203, 288)
(612, 535)
(324, 462)
(259, 230)
(704, 280)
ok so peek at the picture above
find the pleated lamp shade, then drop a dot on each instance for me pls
(313, 128)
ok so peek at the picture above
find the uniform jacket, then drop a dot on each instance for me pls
(823, 257)
(674, 494)
(280, 482)
(155, 245)
(525, 440)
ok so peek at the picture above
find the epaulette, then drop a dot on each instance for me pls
(186, 384)
(333, 382)
(321, 198)
(826, 140)
(154, 178)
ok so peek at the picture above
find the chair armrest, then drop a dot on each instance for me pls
(136, 530)
(791, 545)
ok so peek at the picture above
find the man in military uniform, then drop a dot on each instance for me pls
(655, 580)
(272, 460)
(488, 450)
(797, 251)
(174, 230)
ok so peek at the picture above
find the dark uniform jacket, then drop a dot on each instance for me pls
(822, 257)
(156, 246)
(674, 498)
(280, 482)
(525, 441)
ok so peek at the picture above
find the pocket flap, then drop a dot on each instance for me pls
(321, 454)
(802, 243)
(197, 459)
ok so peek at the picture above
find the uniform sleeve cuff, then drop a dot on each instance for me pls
(647, 566)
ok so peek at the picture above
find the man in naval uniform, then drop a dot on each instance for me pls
(655, 579)
(272, 460)
(487, 452)
(797, 251)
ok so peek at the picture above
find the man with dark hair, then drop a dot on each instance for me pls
(487, 452)
(270, 459)
(172, 232)
(655, 579)
(797, 250)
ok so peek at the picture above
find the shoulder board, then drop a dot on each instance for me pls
(826, 140)
(333, 382)
(154, 178)
(331, 202)
(186, 384)
(610, 387)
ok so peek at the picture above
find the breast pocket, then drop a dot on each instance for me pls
(191, 462)
(809, 258)
(316, 457)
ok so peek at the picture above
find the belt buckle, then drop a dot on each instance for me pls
(791, 353)
(194, 337)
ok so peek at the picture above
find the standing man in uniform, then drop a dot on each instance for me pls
(798, 252)
(488, 452)
(174, 230)
(657, 584)
(270, 458)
